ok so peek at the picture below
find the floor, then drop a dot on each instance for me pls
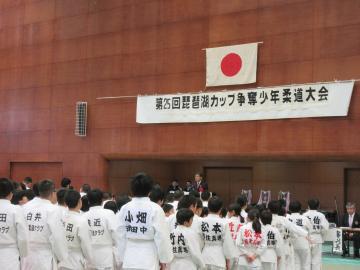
(336, 262)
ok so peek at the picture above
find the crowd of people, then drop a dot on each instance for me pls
(45, 228)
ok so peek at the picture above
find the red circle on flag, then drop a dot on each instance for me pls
(231, 64)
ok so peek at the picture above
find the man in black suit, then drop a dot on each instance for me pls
(200, 185)
(351, 219)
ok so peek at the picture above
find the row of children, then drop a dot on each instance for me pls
(140, 236)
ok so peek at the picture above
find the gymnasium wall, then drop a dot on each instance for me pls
(57, 52)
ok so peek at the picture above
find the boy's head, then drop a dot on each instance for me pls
(95, 197)
(188, 202)
(157, 196)
(242, 200)
(141, 185)
(178, 194)
(313, 204)
(185, 217)
(47, 190)
(6, 188)
(234, 210)
(65, 182)
(295, 207)
(199, 207)
(72, 200)
(111, 205)
(266, 216)
(274, 207)
(60, 196)
(168, 209)
(215, 204)
(85, 188)
(205, 195)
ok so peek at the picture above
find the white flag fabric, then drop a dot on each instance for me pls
(231, 65)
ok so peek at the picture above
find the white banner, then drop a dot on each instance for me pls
(337, 244)
(294, 101)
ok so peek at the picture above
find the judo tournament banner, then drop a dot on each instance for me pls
(280, 102)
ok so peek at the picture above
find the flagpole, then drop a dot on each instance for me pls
(258, 42)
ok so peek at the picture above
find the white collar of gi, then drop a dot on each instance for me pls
(5, 201)
(213, 215)
(141, 198)
(45, 201)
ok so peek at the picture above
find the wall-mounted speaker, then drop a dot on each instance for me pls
(81, 118)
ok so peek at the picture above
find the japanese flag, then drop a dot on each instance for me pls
(231, 65)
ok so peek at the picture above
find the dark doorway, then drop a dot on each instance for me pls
(352, 186)
(228, 182)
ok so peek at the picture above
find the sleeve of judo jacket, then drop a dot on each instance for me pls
(57, 237)
(22, 233)
(162, 237)
(85, 238)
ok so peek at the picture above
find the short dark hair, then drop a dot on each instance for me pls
(266, 216)
(274, 207)
(106, 196)
(156, 194)
(6, 187)
(17, 196)
(72, 198)
(194, 193)
(121, 200)
(295, 207)
(85, 203)
(215, 204)
(178, 194)
(205, 195)
(314, 204)
(60, 196)
(85, 188)
(186, 202)
(167, 207)
(27, 180)
(184, 215)
(65, 182)
(141, 185)
(169, 197)
(111, 205)
(29, 194)
(199, 203)
(236, 208)
(242, 200)
(35, 188)
(95, 197)
(46, 187)
(204, 212)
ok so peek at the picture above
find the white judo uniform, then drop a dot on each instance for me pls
(186, 250)
(302, 258)
(218, 244)
(78, 241)
(13, 236)
(195, 226)
(319, 226)
(47, 244)
(234, 228)
(103, 227)
(143, 231)
(249, 242)
(274, 247)
(287, 228)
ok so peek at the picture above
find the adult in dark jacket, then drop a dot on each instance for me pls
(200, 184)
(351, 219)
